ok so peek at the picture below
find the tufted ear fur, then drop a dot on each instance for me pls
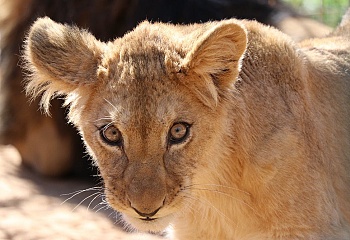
(59, 58)
(214, 61)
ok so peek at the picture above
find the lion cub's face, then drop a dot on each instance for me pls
(150, 106)
(147, 148)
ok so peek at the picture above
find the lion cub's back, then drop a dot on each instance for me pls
(329, 93)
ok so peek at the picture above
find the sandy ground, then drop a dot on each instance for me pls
(34, 207)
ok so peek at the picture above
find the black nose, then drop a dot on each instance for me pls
(146, 215)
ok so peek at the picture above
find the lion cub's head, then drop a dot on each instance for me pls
(150, 106)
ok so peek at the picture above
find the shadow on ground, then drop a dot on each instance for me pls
(34, 207)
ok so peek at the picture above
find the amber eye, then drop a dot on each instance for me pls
(111, 135)
(179, 132)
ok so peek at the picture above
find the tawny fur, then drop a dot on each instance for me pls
(267, 156)
(49, 145)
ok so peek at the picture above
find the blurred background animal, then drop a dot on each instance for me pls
(47, 144)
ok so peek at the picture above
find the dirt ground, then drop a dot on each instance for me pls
(34, 207)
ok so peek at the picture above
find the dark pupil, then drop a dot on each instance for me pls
(178, 131)
(112, 134)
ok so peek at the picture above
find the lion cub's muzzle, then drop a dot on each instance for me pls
(146, 191)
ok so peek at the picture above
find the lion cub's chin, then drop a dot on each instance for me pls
(154, 225)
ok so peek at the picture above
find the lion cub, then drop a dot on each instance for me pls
(225, 130)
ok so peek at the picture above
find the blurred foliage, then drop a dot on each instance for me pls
(326, 11)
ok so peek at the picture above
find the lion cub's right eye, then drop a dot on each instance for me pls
(179, 132)
(111, 135)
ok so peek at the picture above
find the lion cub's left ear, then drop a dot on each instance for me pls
(214, 61)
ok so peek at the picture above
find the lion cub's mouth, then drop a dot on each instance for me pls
(148, 219)
(149, 223)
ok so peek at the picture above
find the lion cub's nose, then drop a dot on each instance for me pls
(146, 192)
(146, 215)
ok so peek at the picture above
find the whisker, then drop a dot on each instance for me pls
(110, 215)
(203, 201)
(96, 193)
(222, 186)
(97, 196)
(114, 107)
(102, 208)
(188, 206)
(227, 195)
(118, 218)
(113, 212)
(204, 217)
(82, 190)
(101, 203)
(104, 118)
(107, 126)
(75, 193)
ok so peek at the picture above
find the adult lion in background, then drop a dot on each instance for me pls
(47, 144)
(225, 130)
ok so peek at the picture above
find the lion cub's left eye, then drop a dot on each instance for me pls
(179, 132)
(111, 135)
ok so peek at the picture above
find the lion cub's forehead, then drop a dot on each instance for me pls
(143, 109)
(142, 65)
(150, 51)
(141, 70)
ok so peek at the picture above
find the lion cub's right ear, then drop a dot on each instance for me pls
(59, 58)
